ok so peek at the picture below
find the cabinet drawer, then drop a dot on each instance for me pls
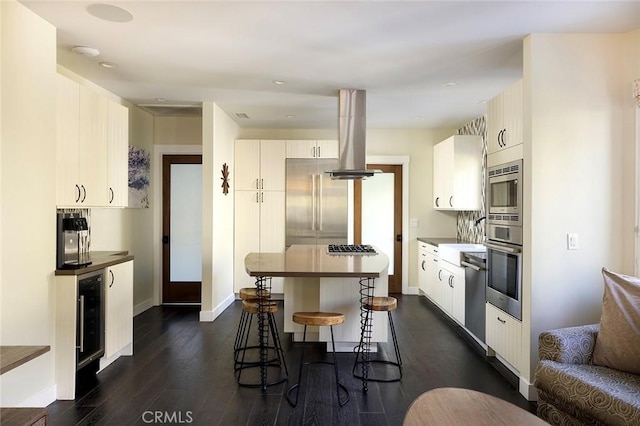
(428, 248)
(504, 335)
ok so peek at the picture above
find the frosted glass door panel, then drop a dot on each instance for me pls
(186, 223)
(377, 214)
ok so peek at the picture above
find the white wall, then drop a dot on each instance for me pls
(27, 223)
(219, 132)
(574, 179)
(178, 130)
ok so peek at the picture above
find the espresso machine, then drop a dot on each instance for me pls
(72, 241)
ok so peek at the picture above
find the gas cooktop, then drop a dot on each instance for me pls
(350, 249)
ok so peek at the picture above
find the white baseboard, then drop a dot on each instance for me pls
(105, 362)
(41, 399)
(209, 316)
(141, 307)
(527, 390)
(413, 290)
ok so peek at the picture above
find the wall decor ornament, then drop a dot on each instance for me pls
(139, 177)
(225, 179)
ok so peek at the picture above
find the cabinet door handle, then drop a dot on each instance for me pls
(319, 152)
(113, 278)
(257, 187)
(261, 183)
(79, 193)
(112, 195)
(81, 346)
(257, 199)
(451, 281)
(501, 320)
(262, 197)
(84, 193)
(313, 152)
(439, 274)
(437, 201)
(451, 201)
(423, 266)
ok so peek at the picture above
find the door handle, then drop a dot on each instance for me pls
(320, 202)
(313, 202)
(399, 238)
(81, 346)
(165, 239)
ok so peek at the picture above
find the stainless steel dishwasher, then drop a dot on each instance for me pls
(475, 278)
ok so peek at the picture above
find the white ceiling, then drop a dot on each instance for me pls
(401, 53)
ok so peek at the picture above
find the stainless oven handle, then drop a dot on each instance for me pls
(472, 266)
(81, 323)
(502, 248)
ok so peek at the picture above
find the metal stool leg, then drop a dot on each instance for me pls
(396, 348)
(335, 369)
(297, 385)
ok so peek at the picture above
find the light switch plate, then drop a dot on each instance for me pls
(573, 243)
(413, 222)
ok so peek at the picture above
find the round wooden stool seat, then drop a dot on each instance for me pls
(252, 293)
(318, 318)
(252, 306)
(382, 304)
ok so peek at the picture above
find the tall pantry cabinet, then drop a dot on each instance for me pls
(259, 204)
(504, 119)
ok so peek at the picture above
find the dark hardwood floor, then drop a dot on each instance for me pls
(182, 373)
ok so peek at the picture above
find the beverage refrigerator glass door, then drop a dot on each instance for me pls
(504, 198)
(504, 283)
(90, 319)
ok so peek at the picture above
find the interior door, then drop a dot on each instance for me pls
(181, 228)
(380, 197)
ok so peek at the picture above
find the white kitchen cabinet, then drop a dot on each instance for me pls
(259, 204)
(505, 119)
(118, 330)
(457, 173)
(118, 155)
(91, 148)
(423, 261)
(504, 336)
(452, 282)
(259, 165)
(312, 148)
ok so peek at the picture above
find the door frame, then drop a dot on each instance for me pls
(156, 171)
(402, 160)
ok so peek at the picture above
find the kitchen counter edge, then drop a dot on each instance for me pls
(436, 241)
(101, 260)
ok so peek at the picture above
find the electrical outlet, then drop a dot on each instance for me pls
(572, 242)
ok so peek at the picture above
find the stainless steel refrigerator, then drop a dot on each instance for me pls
(316, 205)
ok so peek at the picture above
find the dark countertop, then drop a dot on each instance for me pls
(100, 260)
(443, 240)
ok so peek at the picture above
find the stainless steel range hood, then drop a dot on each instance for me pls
(352, 127)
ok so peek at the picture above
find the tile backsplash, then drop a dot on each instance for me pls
(467, 229)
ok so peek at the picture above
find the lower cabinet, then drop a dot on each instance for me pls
(504, 336)
(117, 283)
(441, 282)
(118, 327)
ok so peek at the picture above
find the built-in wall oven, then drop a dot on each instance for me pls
(504, 237)
(90, 319)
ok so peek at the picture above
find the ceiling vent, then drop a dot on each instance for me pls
(242, 115)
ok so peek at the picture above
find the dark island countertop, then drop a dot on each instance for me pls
(100, 260)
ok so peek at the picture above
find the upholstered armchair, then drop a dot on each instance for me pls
(573, 391)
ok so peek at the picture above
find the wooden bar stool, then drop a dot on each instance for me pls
(380, 304)
(318, 319)
(254, 307)
(243, 327)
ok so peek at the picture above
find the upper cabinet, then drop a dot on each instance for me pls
(260, 165)
(312, 149)
(92, 148)
(457, 173)
(504, 119)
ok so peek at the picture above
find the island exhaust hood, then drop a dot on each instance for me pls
(352, 127)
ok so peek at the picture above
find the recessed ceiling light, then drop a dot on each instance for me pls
(482, 102)
(85, 51)
(449, 84)
(278, 82)
(107, 64)
(417, 117)
(109, 13)
(161, 100)
(291, 116)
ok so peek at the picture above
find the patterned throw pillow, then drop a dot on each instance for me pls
(618, 342)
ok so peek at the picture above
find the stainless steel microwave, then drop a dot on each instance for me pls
(504, 194)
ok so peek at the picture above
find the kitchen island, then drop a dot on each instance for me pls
(318, 281)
